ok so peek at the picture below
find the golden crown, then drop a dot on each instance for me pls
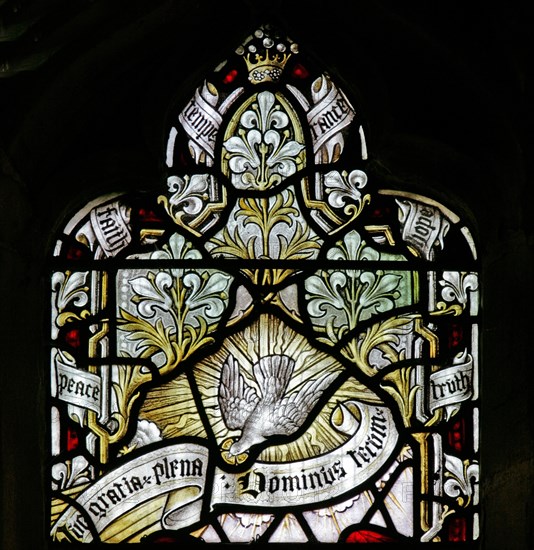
(266, 55)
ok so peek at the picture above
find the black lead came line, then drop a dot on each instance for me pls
(239, 264)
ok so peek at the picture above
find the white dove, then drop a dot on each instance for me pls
(272, 412)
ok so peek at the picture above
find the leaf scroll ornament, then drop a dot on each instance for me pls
(343, 188)
(177, 309)
(263, 153)
(173, 314)
(68, 289)
(456, 286)
(266, 227)
(338, 300)
(152, 293)
(462, 482)
(188, 193)
(71, 473)
(193, 202)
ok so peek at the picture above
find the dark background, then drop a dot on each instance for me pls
(84, 90)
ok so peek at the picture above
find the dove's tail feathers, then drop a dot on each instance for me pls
(273, 373)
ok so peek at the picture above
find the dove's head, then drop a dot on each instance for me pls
(245, 442)
(238, 447)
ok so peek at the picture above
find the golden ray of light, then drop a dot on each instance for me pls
(237, 524)
(394, 500)
(173, 408)
(286, 524)
(173, 416)
(257, 522)
(407, 478)
(200, 532)
(334, 519)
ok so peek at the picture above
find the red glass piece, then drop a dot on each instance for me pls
(72, 439)
(456, 335)
(299, 71)
(72, 337)
(75, 252)
(458, 530)
(457, 435)
(380, 213)
(230, 77)
(183, 160)
(176, 539)
(148, 215)
(164, 539)
(365, 535)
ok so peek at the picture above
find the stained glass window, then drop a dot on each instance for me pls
(273, 346)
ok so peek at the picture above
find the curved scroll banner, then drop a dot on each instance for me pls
(75, 386)
(454, 384)
(423, 226)
(108, 230)
(164, 489)
(331, 113)
(174, 476)
(372, 440)
(201, 121)
(183, 507)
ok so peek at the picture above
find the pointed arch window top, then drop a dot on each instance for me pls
(271, 347)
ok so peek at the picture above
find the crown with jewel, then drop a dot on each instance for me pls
(266, 55)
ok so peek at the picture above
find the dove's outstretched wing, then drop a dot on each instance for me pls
(294, 408)
(237, 399)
